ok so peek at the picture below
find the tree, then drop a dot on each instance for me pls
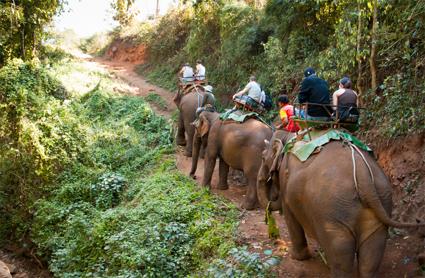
(124, 11)
(373, 36)
(21, 26)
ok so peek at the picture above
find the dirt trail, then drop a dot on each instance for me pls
(399, 256)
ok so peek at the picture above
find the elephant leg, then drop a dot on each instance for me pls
(209, 164)
(299, 250)
(203, 149)
(251, 199)
(190, 130)
(195, 156)
(371, 252)
(180, 140)
(340, 248)
(223, 172)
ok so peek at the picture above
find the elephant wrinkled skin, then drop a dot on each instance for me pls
(319, 198)
(200, 138)
(238, 145)
(187, 105)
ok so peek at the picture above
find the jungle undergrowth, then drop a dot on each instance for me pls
(117, 206)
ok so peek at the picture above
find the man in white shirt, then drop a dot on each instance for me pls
(200, 71)
(187, 73)
(252, 88)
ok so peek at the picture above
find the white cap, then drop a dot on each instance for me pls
(208, 88)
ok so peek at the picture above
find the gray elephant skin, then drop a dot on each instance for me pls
(319, 198)
(187, 105)
(238, 145)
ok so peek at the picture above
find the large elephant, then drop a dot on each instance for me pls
(187, 104)
(320, 198)
(206, 117)
(238, 145)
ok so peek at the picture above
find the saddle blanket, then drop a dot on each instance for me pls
(304, 148)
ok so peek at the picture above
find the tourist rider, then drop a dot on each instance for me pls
(252, 91)
(186, 73)
(200, 72)
(345, 102)
(315, 92)
(286, 113)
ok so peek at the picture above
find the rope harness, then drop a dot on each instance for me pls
(354, 149)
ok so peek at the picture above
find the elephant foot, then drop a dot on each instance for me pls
(181, 141)
(223, 186)
(302, 255)
(249, 205)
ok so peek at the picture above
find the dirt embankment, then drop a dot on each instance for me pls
(122, 51)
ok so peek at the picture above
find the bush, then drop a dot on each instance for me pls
(90, 180)
(40, 137)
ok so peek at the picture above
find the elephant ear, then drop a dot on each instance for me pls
(203, 126)
(277, 150)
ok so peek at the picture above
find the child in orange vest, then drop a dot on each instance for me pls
(286, 112)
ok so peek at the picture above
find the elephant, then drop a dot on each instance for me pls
(238, 145)
(320, 198)
(200, 137)
(187, 104)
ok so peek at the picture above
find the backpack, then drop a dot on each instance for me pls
(266, 101)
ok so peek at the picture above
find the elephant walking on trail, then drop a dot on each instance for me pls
(238, 145)
(187, 105)
(320, 198)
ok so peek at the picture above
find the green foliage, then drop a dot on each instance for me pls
(93, 183)
(157, 100)
(124, 13)
(39, 138)
(21, 26)
(276, 43)
(242, 263)
(95, 44)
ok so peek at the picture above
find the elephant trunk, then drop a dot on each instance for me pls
(264, 185)
(195, 154)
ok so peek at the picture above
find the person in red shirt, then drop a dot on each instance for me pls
(286, 112)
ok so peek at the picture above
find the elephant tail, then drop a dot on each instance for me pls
(370, 196)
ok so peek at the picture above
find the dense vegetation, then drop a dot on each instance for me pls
(22, 26)
(379, 44)
(89, 178)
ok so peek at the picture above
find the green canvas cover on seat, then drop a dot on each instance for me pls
(241, 116)
(304, 148)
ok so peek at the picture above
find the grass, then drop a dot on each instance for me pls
(157, 100)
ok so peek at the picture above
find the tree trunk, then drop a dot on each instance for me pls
(358, 49)
(372, 57)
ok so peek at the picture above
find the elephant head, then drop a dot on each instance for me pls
(206, 116)
(268, 181)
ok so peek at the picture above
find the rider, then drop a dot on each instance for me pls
(286, 112)
(253, 90)
(345, 102)
(209, 93)
(186, 73)
(315, 90)
(200, 72)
